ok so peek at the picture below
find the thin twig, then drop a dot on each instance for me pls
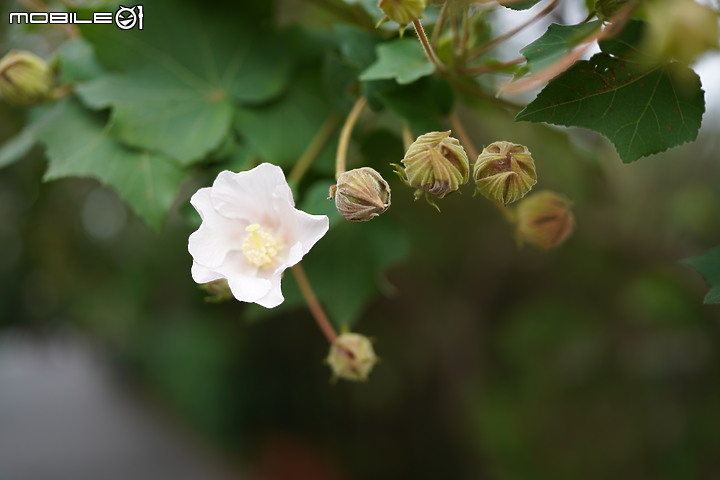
(427, 47)
(491, 67)
(487, 46)
(313, 150)
(439, 24)
(345, 133)
(313, 304)
(534, 81)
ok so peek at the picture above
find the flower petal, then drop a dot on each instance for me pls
(202, 274)
(248, 195)
(216, 236)
(243, 280)
(274, 296)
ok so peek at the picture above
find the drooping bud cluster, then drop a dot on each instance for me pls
(544, 220)
(361, 194)
(435, 165)
(25, 78)
(351, 357)
(504, 172)
(402, 11)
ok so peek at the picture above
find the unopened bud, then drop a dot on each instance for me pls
(351, 357)
(504, 172)
(436, 165)
(681, 29)
(402, 11)
(361, 194)
(25, 78)
(217, 290)
(544, 220)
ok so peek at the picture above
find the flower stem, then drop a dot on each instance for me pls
(317, 311)
(313, 150)
(427, 47)
(341, 157)
(473, 152)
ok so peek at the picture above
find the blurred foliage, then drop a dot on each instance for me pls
(597, 360)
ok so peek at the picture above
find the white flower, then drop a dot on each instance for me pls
(250, 233)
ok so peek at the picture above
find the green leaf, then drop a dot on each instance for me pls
(520, 5)
(708, 266)
(423, 104)
(17, 147)
(641, 111)
(157, 110)
(402, 60)
(78, 145)
(357, 46)
(281, 131)
(557, 41)
(77, 62)
(180, 78)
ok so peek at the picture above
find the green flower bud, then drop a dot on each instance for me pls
(681, 29)
(361, 194)
(504, 172)
(544, 220)
(25, 78)
(436, 165)
(217, 290)
(351, 357)
(402, 11)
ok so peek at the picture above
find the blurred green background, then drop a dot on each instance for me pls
(594, 361)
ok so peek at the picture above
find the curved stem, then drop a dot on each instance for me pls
(313, 150)
(317, 311)
(407, 136)
(429, 52)
(344, 142)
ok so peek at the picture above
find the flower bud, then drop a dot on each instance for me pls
(680, 29)
(504, 172)
(361, 194)
(436, 165)
(217, 290)
(25, 78)
(351, 357)
(402, 11)
(544, 220)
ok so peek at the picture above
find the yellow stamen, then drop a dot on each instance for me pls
(260, 247)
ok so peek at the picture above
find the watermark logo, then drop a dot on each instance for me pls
(124, 18)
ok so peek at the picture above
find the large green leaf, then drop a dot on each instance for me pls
(402, 60)
(78, 145)
(557, 41)
(708, 266)
(280, 132)
(642, 108)
(180, 76)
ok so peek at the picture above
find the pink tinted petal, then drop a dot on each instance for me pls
(294, 255)
(248, 195)
(203, 274)
(308, 229)
(216, 236)
(274, 296)
(244, 282)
